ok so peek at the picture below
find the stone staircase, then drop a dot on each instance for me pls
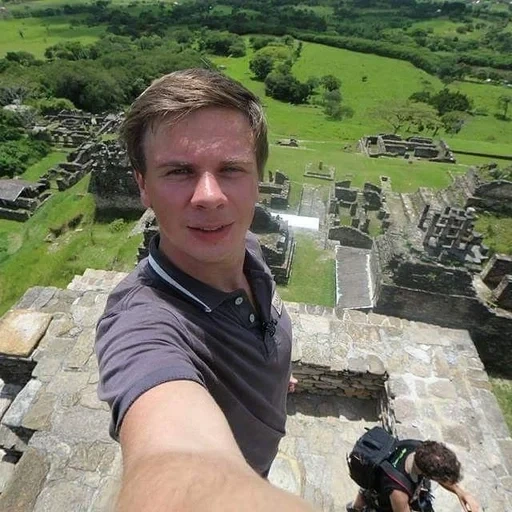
(354, 369)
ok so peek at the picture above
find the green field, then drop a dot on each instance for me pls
(34, 172)
(386, 80)
(502, 389)
(310, 283)
(39, 33)
(59, 241)
(497, 232)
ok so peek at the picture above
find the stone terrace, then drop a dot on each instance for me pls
(421, 380)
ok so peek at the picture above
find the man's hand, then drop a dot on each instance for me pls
(292, 385)
(468, 502)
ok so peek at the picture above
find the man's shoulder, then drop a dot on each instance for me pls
(136, 291)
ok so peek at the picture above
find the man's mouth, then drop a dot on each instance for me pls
(209, 229)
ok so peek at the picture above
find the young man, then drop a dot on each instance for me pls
(194, 345)
(429, 459)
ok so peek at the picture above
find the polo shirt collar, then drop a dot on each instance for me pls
(203, 295)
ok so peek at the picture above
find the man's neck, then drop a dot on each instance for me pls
(226, 276)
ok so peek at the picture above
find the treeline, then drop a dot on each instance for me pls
(104, 76)
(18, 148)
(353, 26)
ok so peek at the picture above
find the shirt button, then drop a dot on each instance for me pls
(251, 318)
(239, 301)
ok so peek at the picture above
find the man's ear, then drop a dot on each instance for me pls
(141, 182)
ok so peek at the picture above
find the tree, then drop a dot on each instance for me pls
(336, 111)
(286, 87)
(454, 121)
(330, 82)
(448, 101)
(261, 65)
(412, 116)
(503, 103)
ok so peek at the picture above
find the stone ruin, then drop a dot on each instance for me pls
(275, 193)
(112, 182)
(355, 371)
(19, 199)
(450, 236)
(277, 243)
(78, 163)
(71, 128)
(412, 147)
(291, 143)
(426, 268)
(276, 240)
(323, 172)
(497, 275)
(361, 207)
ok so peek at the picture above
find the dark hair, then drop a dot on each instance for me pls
(437, 462)
(173, 96)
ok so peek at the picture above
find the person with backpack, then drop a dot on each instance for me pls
(395, 475)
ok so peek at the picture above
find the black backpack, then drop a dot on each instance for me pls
(371, 453)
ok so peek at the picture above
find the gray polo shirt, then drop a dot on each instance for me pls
(161, 324)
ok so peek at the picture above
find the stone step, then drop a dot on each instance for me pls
(96, 280)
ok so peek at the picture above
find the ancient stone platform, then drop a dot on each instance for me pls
(355, 370)
(353, 278)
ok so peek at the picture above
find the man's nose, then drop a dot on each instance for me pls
(208, 192)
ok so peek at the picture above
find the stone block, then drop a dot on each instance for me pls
(442, 388)
(82, 351)
(26, 483)
(506, 451)
(456, 434)
(21, 404)
(38, 416)
(7, 465)
(64, 495)
(21, 330)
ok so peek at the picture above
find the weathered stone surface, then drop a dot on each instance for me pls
(82, 351)
(26, 483)
(38, 416)
(67, 495)
(7, 465)
(21, 330)
(68, 383)
(21, 404)
(456, 434)
(81, 424)
(506, 449)
(285, 474)
(442, 388)
(36, 297)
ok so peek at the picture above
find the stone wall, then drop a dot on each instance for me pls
(320, 380)
(434, 278)
(491, 330)
(350, 237)
(497, 267)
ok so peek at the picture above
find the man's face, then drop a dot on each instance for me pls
(202, 182)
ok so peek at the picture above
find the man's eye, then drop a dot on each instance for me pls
(178, 172)
(232, 169)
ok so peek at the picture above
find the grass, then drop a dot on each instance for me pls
(502, 390)
(35, 171)
(405, 176)
(312, 278)
(31, 258)
(497, 232)
(386, 80)
(39, 33)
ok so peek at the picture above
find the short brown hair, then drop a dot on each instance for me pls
(175, 95)
(437, 462)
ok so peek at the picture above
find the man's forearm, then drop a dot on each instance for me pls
(193, 482)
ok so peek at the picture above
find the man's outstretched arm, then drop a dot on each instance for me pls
(179, 455)
(467, 501)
